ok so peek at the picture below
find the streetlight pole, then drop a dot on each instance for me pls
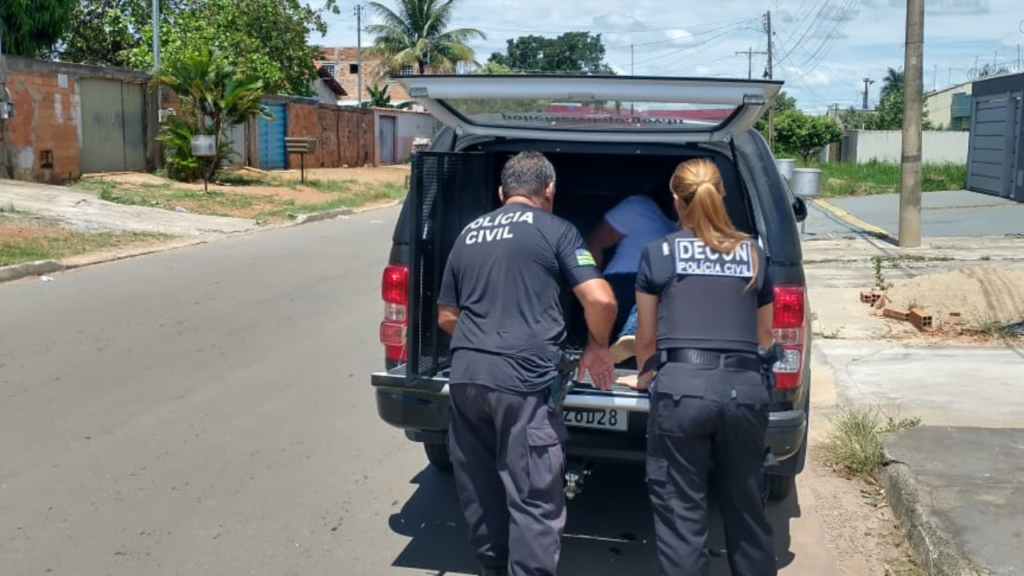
(359, 52)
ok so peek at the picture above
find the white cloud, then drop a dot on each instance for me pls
(679, 37)
(799, 77)
(702, 38)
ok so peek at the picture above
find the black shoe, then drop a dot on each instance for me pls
(485, 571)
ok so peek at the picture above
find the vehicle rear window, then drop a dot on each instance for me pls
(590, 115)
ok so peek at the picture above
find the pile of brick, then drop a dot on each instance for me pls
(920, 318)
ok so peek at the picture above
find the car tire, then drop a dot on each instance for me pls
(439, 456)
(780, 487)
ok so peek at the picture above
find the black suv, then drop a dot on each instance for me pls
(608, 138)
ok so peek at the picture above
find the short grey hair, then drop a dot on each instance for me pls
(527, 174)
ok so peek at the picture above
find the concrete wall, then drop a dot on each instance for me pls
(862, 146)
(409, 127)
(939, 104)
(43, 141)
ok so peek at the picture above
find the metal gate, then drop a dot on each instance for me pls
(113, 126)
(388, 134)
(995, 138)
(271, 138)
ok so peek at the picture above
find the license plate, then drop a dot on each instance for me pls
(610, 419)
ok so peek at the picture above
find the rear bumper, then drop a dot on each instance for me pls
(423, 413)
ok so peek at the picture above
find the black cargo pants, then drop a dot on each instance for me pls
(508, 456)
(703, 418)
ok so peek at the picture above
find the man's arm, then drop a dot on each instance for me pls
(447, 317)
(599, 309)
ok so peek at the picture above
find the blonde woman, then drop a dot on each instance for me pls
(704, 306)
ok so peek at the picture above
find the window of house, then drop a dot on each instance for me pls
(330, 67)
(353, 68)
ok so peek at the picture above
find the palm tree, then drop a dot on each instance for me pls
(893, 82)
(213, 96)
(417, 34)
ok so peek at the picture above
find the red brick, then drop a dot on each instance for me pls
(921, 319)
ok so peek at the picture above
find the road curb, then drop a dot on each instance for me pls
(930, 538)
(39, 267)
(318, 216)
(849, 218)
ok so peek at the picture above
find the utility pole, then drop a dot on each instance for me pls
(864, 105)
(867, 82)
(6, 169)
(750, 60)
(910, 170)
(156, 54)
(359, 52)
(769, 74)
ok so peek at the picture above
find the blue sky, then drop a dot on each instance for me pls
(824, 48)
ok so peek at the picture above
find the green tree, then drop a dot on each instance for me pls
(494, 68)
(796, 132)
(30, 27)
(893, 82)
(570, 53)
(888, 115)
(213, 95)
(783, 102)
(379, 98)
(266, 38)
(417, 34)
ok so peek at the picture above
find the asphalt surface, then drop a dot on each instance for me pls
(208, 411)
(969, 482)
(943, 214)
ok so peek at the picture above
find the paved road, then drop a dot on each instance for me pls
(207, 411)
(953, 213)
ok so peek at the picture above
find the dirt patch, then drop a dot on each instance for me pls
(859, 528)
(254, 194)
(27, 239)
(382, 174)
(981, 295)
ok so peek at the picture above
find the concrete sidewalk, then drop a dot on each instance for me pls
(85, 211)
(944, 385)
(943, 214)
(959, 495)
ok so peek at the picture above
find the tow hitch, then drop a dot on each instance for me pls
(575, 476)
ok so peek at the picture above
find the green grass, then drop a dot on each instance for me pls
(369, 193)
(849, 179)
(994, 329)
(54, 242)
(854, 446)
(337, 194)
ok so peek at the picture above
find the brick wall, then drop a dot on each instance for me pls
(43, 141)
(345, 136)
(42, 138)
(344, 59)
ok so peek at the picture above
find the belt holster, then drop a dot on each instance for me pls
(562, 383)
(768, 359)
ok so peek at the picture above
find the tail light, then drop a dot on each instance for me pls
(788, 330)
(394, 288)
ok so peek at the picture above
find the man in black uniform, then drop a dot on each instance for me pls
(704, 298)
(501, 299)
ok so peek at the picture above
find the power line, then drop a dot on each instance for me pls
(711, 41)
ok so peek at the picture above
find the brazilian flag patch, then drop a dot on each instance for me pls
(585, 258)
